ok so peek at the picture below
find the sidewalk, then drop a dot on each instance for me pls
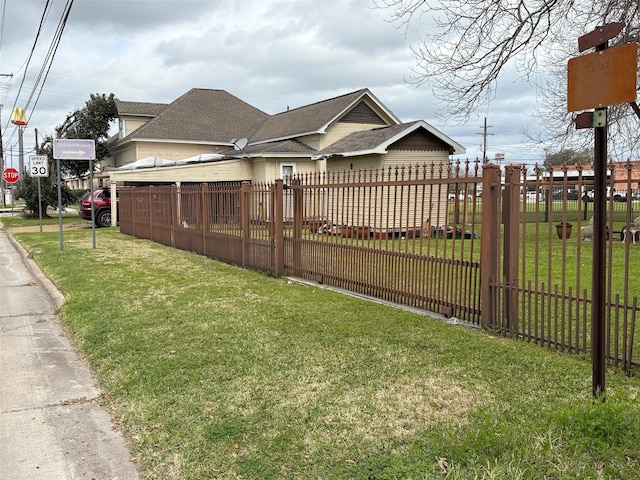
(51, 423)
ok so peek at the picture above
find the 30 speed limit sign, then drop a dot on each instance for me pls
(38, 166)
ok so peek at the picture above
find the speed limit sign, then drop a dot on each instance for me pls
(38, 166)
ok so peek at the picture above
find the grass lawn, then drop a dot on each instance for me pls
(212, 371)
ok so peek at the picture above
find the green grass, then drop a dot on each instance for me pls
(213, 371)
(17, 220)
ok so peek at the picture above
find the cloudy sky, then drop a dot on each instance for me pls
(272, 54)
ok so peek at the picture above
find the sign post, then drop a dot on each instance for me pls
(39, 167)
(597, 80)
(74, 149)
(11, 176)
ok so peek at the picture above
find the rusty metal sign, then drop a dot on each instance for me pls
(600, 35)
(603, 78)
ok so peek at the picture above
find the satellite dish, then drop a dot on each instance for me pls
(240, 143)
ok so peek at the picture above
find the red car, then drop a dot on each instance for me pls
(101, 205)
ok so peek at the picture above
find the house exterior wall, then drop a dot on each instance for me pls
(132, 123)
(225, 171)
(361, 162)
(124, 155)
(400, 209)
(172, 151)
(267, 169)
(434, 196)
(340, 130)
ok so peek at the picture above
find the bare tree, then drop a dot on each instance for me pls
(473, 42)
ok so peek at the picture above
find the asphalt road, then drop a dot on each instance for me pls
(51, 423)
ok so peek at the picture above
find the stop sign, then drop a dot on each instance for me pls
(10, 175)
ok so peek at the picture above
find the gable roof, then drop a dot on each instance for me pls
(201, 115)
(316, 117)
(209, 116)
(378, 140)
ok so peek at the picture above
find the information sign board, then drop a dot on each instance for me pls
(602, 78)
(74, 149)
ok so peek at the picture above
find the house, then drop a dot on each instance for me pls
(212, 136)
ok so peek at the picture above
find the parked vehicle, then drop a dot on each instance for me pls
(460, 196)
(101, 205)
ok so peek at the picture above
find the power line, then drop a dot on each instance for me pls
(48, 62)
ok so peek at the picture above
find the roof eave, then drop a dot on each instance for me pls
(293, 136)
(124, 141)
(356, 153)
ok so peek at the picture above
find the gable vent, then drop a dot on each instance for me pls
(419, 140)
(362, 113)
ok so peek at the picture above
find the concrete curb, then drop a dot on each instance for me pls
(56, 296)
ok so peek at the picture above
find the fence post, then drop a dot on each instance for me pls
(205, 195)
(174, 195)
(278, 227)
(511, 220)
(151, 212)
(298, 218)
(245, 219)
(491, 188)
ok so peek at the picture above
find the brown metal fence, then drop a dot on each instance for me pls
(418, 236)
(388, 234)
(541, 285)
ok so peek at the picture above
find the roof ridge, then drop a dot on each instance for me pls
(319, 102)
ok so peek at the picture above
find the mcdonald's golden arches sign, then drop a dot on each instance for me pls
(18, 116)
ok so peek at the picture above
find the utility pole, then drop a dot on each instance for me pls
(485, 134)
(2, 183)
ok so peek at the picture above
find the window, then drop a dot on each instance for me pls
(287, 170)
(121, 128)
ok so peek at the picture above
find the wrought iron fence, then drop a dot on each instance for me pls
(462, 241)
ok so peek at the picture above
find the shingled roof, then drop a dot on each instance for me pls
(217, 117)
(313, 118)
(140, 109)
(201, 115)
(378, 140)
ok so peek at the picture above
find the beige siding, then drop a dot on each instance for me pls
(268, 169)
(312, 141)
(125, 155)
(400, 209)
(172, 151)
(340, 130)
(335, 132)
(227, 171)
(431, 203)
(131, 124)
(365, 162)
(260, 169)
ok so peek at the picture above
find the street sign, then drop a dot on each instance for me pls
(74, 149)
(602, 78)
(600, 35)
(38, 166)
(10, 175)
